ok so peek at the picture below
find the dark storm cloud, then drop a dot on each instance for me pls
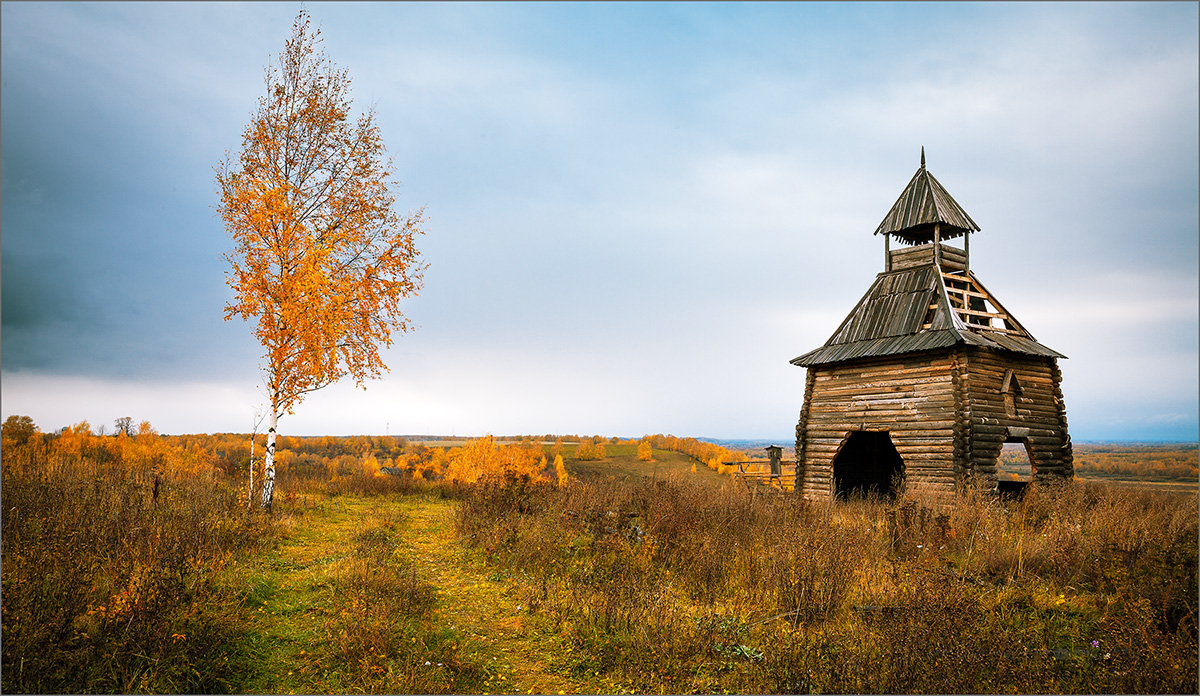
(111, 259)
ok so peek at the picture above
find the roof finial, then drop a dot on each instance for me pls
(922, 157)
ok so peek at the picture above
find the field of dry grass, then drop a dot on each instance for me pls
(667, 586)
(131, 564)
(109, 564)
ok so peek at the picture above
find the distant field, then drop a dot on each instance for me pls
(1162, 466)
(1148, 484)
(1157, 466)
(1165, 467)
(622, 463)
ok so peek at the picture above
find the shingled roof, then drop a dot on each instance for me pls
(922, 204)
(924, 308)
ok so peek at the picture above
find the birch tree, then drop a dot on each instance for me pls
(321, 260)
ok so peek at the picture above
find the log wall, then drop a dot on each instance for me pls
(911, 397)
(945, 413)
(953, 258)
(1039, 418)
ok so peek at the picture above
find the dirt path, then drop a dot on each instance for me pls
(485, 606)
(288, 589)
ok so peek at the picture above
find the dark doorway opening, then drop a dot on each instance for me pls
(1014, 471)
(867, 464)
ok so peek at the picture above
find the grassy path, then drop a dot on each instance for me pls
(287, 602)
(484, 606)
(290, 603)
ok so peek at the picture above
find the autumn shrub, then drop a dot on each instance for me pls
(589, 451)
(420, 469)
(669, 586)
(110, 549)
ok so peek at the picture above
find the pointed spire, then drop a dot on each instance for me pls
(923, 204)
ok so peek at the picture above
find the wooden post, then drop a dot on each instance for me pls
(967, 248)
(887, 251)
(937, 243)
(775, 454)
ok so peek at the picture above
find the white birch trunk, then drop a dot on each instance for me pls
(250, 493)
(268, 493)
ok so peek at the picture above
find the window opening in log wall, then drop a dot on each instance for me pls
(867, 464)
(1010, 390)
(1014, 470)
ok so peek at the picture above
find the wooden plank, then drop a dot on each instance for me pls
(996, 407)
(932, 393)
(979, 313)
(836, 432)
(993, 378)
(985, 356)
(912, 405)
(889, 387)
(987, 418)
(896, 372)
(904, 436)
(874, 420)
(969, 293)
(883, 365)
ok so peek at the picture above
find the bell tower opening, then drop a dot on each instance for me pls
(867, 464)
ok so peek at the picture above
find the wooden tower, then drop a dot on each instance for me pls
(929, 375)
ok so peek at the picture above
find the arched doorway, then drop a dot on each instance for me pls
(867, 463)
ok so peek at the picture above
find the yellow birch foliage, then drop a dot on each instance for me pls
(321, 261)
(644, 452)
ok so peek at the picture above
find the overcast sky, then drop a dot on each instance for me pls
(638, 213)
